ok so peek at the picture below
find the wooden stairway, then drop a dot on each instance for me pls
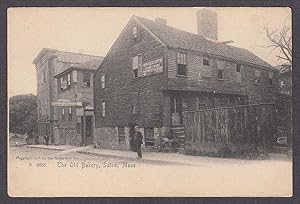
(179, 135)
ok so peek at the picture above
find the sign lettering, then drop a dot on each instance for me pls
(152, 67)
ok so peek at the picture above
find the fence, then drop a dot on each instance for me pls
(234, 127)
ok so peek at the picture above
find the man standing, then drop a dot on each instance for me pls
(138, 141)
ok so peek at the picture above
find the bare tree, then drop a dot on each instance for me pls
(281, 40)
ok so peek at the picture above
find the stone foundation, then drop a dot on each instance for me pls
(107, 138)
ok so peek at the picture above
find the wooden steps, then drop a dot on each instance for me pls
(179, 135)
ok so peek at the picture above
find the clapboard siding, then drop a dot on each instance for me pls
(195, 81)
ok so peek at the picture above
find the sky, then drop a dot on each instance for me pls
(94, 30)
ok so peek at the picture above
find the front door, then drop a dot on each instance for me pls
(88, 130)
(176, 109)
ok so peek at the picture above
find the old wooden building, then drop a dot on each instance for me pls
(65, 96)
(153, 73)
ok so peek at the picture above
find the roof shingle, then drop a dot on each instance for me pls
(176, 38)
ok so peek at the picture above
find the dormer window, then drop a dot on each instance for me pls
(206, 62)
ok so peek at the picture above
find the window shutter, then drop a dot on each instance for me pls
(91, 80)
(103, 109)
(135, 62)
(178, 58)
(103, 81)
(69, 79)
(74, 75)
(61, 83)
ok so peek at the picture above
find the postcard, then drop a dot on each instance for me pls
(150, 102)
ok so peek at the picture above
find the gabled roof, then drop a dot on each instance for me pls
(77, 58)
(176, 38)
(69, 57)
(91, 65)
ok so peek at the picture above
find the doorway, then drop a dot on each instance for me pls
(176, 110)
(88, 130)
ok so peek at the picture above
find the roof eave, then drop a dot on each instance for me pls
(220, 56)
(41, 53)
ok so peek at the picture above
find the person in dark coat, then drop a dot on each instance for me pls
(138, 141)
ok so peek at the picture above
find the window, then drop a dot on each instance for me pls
(103, 109)
(135, 33)
(133, 109)
(206, 62)
(61, 83)
(136, 64)
(121, 135)
(62, 114)
(135, 73)
(220, 74)
(86, 81)
(78, 128)
(65, 82)
(200, 103)
(181, 64)
(238, 75)
(205, 72)
(271, 76)
(140, 60)
(70, 114)
(44, 76)
(220, 69)
(257, 77)
(103, 81)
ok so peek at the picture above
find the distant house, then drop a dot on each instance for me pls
(285, 78)
(284, 102)
(65, 96)
(154, 72)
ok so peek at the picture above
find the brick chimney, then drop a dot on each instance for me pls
(207, 23)
(161, 20)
